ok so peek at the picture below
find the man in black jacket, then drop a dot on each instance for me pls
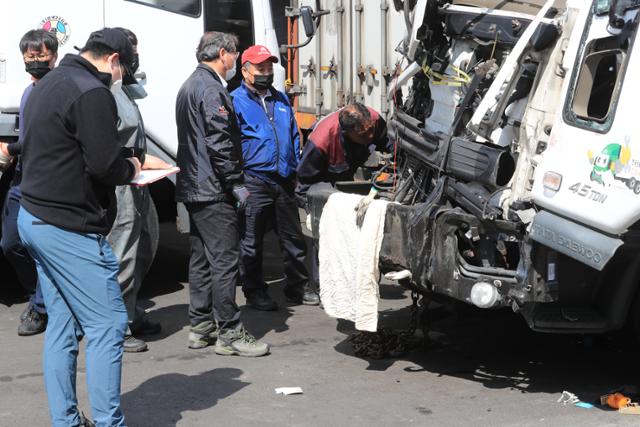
(210, 160)
(71, 164)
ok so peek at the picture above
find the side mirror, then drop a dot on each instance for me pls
(306, 13)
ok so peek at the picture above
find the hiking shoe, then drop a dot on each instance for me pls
(240, 343)
(134, 345)
(260, 300)
(34, 323)
(145, 327)
(203, 334)
(302, 296)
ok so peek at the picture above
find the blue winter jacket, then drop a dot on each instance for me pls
(270, 139)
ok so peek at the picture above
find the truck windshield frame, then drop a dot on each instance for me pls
(190, 8)
(577, 110)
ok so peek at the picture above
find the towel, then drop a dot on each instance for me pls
(348, 258)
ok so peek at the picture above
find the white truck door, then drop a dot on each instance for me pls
(168, 32)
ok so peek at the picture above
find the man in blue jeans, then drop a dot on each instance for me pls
(39, 50)
(71, 164)
(271, 150)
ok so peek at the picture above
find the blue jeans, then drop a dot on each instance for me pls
(17, 254)
(78, 275)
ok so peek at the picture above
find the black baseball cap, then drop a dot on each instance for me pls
(115, 39)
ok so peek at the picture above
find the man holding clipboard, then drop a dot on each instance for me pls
(129, 237)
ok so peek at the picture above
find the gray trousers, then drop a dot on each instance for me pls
(131, 243)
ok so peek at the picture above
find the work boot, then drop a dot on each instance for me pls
(203, 334)
(240, 343)
(34, 323)
(302, 295)
(145, 327)
(260, 300)
(133, 344)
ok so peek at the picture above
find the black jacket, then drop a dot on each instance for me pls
(71, 154)
(209, 147)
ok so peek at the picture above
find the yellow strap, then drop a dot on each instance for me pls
(458, 80)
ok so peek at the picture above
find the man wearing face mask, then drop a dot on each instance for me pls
(211, 185)
(39, 50)
(129, 237)
(271, 150)
(72, 162)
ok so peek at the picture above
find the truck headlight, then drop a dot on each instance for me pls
(484, 295)
(552, 181)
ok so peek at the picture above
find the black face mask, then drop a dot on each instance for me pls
(38, 69)
(262, 82)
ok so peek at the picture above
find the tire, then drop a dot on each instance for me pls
(631, 183)
(636, 188)
(633, 319)
(153, 227)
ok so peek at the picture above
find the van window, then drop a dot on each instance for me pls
(231, 16)
(183, 7)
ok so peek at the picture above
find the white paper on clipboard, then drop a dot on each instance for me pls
(148, 176)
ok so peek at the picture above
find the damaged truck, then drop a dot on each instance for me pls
(516, 174)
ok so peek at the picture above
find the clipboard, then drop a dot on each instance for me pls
(149, 176)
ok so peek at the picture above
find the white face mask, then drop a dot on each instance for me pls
(230, 73)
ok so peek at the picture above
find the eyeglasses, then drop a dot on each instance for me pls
(37, 57)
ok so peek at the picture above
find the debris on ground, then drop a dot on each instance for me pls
(384, 343)
(289, 390)
(615, 400)
(568, 398)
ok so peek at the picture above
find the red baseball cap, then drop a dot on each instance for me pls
(257, 54)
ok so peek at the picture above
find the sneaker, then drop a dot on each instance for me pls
(85, 422)
(34, 323)
(260, 300)
(203, 334)
(302, 296)
(134, 345)
(145, 327)
(25, 313)
(240, 343)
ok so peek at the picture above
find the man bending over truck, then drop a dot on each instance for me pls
(338, 145)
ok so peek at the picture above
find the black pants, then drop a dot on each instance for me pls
(16, 254)
(271, 204)
(213, 266)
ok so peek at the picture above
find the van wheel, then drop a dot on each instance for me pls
(153, 228)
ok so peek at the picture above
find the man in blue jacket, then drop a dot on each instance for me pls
(271, 150)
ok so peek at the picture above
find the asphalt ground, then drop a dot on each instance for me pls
(481, 368)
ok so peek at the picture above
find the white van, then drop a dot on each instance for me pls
(168, 32)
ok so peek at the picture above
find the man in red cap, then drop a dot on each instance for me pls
(271, 151)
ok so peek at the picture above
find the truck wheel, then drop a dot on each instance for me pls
(631, 183)
(153, 227)
(633, 319)
(636, 188)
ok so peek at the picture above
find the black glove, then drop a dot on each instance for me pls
(241, 195)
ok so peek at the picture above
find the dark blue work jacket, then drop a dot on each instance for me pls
(270, 138)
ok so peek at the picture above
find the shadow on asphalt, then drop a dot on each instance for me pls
(161, 400)
(497, 349)
(172, 318)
